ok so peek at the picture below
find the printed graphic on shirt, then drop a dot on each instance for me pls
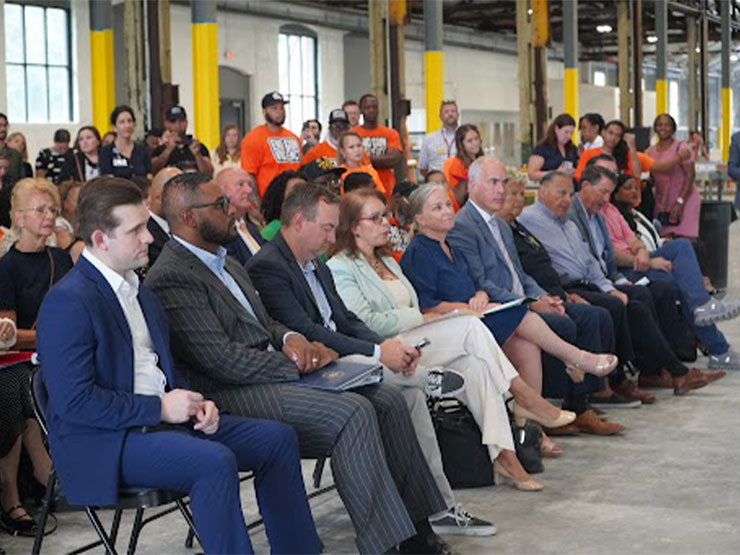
(285, 150)
(375, 146)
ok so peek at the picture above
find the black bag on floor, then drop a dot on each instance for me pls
(527, 441)
(465, 459)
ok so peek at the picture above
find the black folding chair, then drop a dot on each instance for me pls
(128, 498)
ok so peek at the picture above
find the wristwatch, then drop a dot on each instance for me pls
(680, 200)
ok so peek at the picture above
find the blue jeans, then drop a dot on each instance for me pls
(687, 277)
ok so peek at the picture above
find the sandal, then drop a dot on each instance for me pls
(18, 525)
(548, 449)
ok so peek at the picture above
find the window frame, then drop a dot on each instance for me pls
(300, 31)
(45, 4)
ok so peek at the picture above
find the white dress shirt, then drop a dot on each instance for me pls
(148, 377)
(161, 222)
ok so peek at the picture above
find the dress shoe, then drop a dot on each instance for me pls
(588, 423)
(600, 365)
(663, 380)
(693, 379)
(613, 401)
(631, 391)
(569, 430)
(564, 418)
(430, 544)
(713, 375)
(502, 476)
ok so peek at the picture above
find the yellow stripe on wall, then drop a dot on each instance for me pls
(205, 83)
(434, 87)
(102, 78)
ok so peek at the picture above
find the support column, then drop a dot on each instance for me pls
(637, 61)
(540, 40)
(101, 63)
(661, 57)
(524, 55)
(434, 69)
(136, 71)
(726, 90)
(691, 77)
(623, 60)
(205, 72)
(704, 75)
(377, 13)
(570, 48)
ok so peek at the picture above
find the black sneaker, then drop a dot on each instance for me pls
(615, 401)
(458, 522)
(444, 382)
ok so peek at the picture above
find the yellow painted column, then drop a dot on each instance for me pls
(571, 92)
(434, 86)
(204, 38)
(102, 79)
(661, 96)
(661, 57)
(726, 88)
(570, 47)
(726, 122)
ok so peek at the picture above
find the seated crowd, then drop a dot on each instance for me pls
(160, 283)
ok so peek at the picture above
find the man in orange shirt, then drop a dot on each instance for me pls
(269, 149)
(338, 124)
(382, 144)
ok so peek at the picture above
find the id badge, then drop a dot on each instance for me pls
(120, 163)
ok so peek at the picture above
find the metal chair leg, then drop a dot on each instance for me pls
(135, 532)
(45, 510)
(95, 521)
(115, 525)
(187, 515)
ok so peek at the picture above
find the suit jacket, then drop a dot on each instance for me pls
(218, 343)
(578, 214)
(287, 296)
(366, 295)
(471, 238)
(160, 238)
(535, 260)
(88, 371)
(238, 248)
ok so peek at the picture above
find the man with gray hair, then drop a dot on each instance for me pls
(240, 187)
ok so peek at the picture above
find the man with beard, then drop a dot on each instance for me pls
(180, 147)
(270, 149)
(439, 145)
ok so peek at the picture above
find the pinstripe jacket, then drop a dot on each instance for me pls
(216, 342)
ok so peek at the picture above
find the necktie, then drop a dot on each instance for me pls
(516, 284)
(252, 244)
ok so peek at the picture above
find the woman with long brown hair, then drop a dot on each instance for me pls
(227, 154)
(351, 156)
(556, 150)
(469, 147)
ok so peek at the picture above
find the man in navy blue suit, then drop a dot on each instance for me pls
(120, 414)
(239, 186)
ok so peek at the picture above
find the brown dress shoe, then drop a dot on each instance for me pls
(693, 379)
(712, 375)
(589, 423)
(630, 390)
(567, 430)
(663, 380)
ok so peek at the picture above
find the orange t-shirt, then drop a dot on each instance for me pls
(377, 142)
(266, 154)
(590, 153)
(645, 162)
(325, 150)
(365, 169)
(455, 171)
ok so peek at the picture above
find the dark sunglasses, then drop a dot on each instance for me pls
(221, 202)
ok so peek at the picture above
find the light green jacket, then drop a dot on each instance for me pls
(365, 294)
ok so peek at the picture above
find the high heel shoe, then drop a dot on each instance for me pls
(520, 414)
(604, 365)
(501, 475)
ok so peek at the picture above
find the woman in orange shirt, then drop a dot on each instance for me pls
(618, 144)
(350, 155)
(469, 147)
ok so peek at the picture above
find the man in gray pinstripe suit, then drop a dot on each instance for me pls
(230, 349)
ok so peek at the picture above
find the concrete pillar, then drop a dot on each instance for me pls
(726, 90)
(101, 63)
(540, 40)
(434, 70)
(205, 72)
(637, 62)
(524, 57)
(570, 48)
(623, 60)
(661, 57)
(377, 14)
(704, 75)
(691, 77)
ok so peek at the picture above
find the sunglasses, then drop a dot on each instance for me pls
(221, 202)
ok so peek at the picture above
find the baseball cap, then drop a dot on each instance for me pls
(273, 97)
(321, 166)
(338, 115)
(176, 112)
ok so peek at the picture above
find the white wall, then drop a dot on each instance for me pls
(39, 135)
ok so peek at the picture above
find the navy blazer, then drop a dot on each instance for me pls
(87, 360)
(288, 298)
(160, 237)
(238, 248)
(472, 239)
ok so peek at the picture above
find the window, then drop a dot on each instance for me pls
(600, 78)
(37, 62)
(298, 75)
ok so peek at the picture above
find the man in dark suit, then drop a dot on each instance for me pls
(157, 225)
(229, 346)
(120, 414)
(239, 186)
(487, 245)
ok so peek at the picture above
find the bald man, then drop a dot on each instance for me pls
(239, 186)
(157, 225)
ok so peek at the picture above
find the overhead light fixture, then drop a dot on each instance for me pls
(652, 39)
(530, 11)
(733, 57)
(604, 28)
(697, 50)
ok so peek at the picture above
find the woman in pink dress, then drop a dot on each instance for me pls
(677, 202)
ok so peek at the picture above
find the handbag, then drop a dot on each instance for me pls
(528, 441)
(466, 461)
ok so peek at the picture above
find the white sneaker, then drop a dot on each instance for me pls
(726, 361)
(458, 522)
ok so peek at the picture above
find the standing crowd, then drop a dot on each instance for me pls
(162, 282)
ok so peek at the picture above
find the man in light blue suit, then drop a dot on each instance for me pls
(120, 414)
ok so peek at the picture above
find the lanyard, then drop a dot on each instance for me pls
(450, 144)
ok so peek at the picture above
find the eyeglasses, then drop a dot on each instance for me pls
(221, 202)
(377, 218)
(41, 210)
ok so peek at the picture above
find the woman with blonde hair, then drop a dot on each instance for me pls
(227, 154)
(17, 141)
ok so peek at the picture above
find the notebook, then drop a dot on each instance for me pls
(342, 376)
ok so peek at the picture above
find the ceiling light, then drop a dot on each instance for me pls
(530, 11)
(733, 58)
(652, 39)
(697, 50)
(604, 28)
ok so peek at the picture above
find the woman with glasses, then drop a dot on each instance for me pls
(27, 271)
(374, 287)
(350, 155)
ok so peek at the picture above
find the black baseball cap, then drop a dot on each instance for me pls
(175, 113)
(273, 97)
(338, 115)
(321, 166)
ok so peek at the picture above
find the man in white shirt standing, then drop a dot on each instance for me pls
(120, 413)
(439, 145)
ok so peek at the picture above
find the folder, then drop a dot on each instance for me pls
(342, 376)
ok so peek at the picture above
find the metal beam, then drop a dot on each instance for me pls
(704, 78)
(524, 57)
(377, 12)
(637, 61)
(661, 57)
(623, 72)
(691, 76)
(570, 49)
(434, 74)
(133, 30)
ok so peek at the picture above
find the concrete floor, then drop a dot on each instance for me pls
(669, 484)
